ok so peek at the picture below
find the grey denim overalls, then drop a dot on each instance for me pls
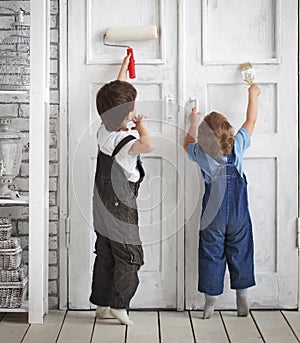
(225, 231)
(119, 254)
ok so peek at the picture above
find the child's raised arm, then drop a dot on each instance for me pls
(122, 76)
(252, 109)
(192, 131)
(145, 143)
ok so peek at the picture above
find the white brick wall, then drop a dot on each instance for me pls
(17, 106)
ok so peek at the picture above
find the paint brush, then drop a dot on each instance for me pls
(248, 72)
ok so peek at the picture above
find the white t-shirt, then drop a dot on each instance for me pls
(108, 140)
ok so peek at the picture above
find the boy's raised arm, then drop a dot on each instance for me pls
(252, 109)
(122, 76)
(191, 135)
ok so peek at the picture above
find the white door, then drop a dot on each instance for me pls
(91, 64)
(219, 36)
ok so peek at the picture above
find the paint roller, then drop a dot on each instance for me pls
(130, 33)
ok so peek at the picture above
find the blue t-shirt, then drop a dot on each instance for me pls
(209, 165)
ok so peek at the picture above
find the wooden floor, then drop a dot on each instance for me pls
(152, 327)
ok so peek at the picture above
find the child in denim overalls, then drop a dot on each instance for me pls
(225, 229)
(118, 176)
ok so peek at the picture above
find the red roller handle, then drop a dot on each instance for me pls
(131, 67)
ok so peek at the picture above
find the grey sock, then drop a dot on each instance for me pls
(210, 302)
(242, 302)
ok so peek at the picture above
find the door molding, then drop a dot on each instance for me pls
(180, 161)
(298, 105)
(63, 154)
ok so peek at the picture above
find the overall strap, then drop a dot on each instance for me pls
(123, 142)
(231, 157)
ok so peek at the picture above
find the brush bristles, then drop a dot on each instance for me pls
(246, 65)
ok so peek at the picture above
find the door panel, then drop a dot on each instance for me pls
(91, 64)
(217, 38)
(231, 34)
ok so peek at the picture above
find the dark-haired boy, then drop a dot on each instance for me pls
(119, 172)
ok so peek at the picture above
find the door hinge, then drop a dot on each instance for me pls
(298, 233)
(67, 232)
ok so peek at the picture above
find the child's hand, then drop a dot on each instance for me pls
(122, 76)
(138, 119)
(126, 61)
(254, 89)
(194, 116)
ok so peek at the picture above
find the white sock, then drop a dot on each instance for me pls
(121, 315)
(103, 312)
(242, 302)
(209, 307)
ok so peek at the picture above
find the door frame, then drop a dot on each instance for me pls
(64, 148)
(63, 187)
(63, 157)
(298, 105)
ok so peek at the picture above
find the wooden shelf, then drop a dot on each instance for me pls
(24, 200)
(14, 92)
(23, 308)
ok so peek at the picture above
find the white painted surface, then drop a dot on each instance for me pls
(271, 161)
(145, 328)
(63, 155)
(211, 330)
(217, 85)
(77, 327)
(273, 327)
(233, 29)
(39, 161)
(175, 327)
(158, 194)
(240, 329)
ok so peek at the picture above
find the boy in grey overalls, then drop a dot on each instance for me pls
(118, 176)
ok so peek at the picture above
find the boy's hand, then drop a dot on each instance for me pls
(122, 76)
(126, 61)
(254, 89)
(194, 116)
(139, 119)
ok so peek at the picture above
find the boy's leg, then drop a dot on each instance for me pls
(209, 307)
(128, 259)
(103, 272)
(239, 254)
(212, 262)
(242, 302)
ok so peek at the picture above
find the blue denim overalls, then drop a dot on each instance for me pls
(225, 232)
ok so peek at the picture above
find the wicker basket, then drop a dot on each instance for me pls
(5, 232)
(16, 275)
(5, 229)
(11, 243)
(10, 258)
(13, 294)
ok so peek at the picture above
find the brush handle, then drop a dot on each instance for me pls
(131, 67)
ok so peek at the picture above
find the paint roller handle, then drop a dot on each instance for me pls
(131, 67)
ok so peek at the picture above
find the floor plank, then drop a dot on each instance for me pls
(145, 328)
(210, 330)
(273, 327)
(109, 331)
(78, 327)
(293, 318)
(240, 329)
(13, 327)
(49, 330)
(175, 327)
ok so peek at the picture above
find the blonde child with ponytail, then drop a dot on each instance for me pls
(225, 227)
